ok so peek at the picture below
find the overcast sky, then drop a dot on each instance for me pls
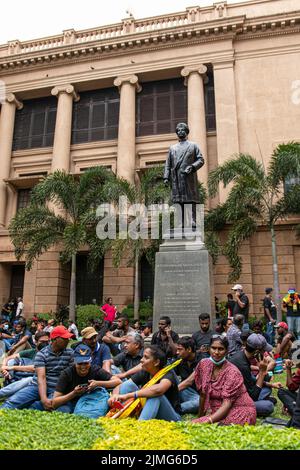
(30, 19)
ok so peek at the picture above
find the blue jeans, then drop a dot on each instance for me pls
(270, 332)
(155, 408)
(294, 325)
(14, 387)
(190, 400)
(263, 406)
(8, 343)
(28, 397)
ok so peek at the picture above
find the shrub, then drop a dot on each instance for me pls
(145, 311)
(45, 316)
(85, 313)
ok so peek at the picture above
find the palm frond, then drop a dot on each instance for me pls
(239, 166)
(34, 230)
(240, 231)
(58, 187)
(288, 204)
(93, 187)
(285, 163)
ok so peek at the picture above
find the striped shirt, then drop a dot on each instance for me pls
(53, 363)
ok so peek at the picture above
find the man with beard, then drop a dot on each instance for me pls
(203, 336)
(165, 338)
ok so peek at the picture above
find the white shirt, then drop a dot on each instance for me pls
(73, 329)
(19, 308)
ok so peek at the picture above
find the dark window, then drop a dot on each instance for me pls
(147, 280)
(210, 108)
(160, 106)
(89, 285)
(17, 281)
(23, 198)
(35, 124)
(96, 116)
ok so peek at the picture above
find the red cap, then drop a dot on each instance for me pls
(282, 324)
(60, 332)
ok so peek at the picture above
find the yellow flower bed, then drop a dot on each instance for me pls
(130, 434)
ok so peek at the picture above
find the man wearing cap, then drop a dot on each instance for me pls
(258, 389)
(285, 340)
(291, 303)
(48, 364)
(82, 377)
(241, 305)
(270, 312)
(101, 356)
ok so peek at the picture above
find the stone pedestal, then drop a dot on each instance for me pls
(182, 287)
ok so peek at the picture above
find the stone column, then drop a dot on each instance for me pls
(226, 115)
(126, 138)
(7, 122)
(194, 80)
(63, 126)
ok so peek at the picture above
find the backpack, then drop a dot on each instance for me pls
(93, 405)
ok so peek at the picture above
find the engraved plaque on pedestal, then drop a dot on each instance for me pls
(182, 288)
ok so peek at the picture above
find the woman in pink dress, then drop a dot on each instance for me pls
(224, 398)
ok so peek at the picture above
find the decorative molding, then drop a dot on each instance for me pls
(69, 89)
(12, 99)
(201, 69)
(132, 79)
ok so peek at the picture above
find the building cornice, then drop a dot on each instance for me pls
(21, 56)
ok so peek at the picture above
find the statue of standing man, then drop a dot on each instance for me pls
(181, 167)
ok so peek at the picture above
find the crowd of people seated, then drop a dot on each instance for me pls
(223, 375)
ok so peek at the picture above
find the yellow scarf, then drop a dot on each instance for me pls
(135, 405)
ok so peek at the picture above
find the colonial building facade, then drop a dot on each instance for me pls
(112, 95)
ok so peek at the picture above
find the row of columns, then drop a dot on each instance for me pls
(128, 87)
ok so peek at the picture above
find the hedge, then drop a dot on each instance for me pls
(85, 313)
(28, 429)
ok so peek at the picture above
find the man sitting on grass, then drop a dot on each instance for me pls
(258, 389)
(48, 363)
(80, 378)
(17, 373)
(131, 356)
(289, 396)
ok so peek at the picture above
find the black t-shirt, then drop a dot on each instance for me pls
(126, 361)
(269, 304)
(185, 368)
(241, 361)
(69, 379)
(230, 304)
(164, 344)
(245, 310)
(172, 394)
(202, 339)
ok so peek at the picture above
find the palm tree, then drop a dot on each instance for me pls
(62, 212)
(256, 197)
(150, 190)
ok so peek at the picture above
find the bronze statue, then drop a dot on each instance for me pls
(181, 167)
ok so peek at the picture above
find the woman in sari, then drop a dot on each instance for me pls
(224, 398)
(162, 398)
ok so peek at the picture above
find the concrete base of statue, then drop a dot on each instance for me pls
(183, 283)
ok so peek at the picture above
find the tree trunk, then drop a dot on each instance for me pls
(136, 304)
(276, 287)
(73, 290)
